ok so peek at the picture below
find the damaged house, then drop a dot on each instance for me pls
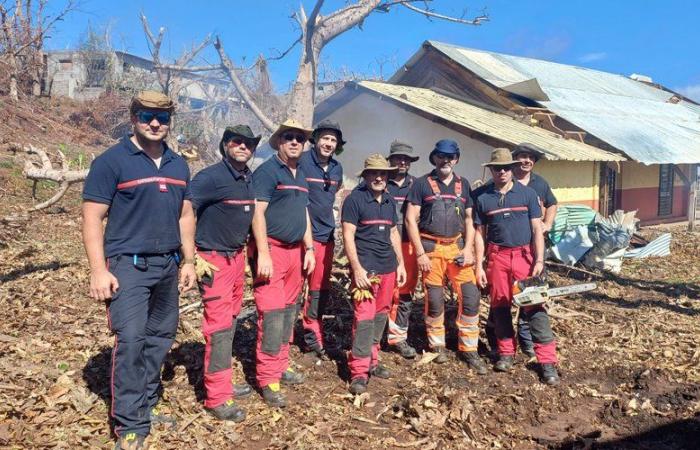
(611, 142)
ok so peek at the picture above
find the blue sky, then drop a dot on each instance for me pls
(655, 38)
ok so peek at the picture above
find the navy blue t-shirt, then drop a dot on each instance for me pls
(448, 223)
(323, 185)
(507, 216)
(225, 202)
(374, 221)
(287, 197)
(400, 195)
(145, 202)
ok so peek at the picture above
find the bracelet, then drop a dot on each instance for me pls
(418, 256)
(310, 249)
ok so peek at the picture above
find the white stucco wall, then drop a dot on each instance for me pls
(370, 125)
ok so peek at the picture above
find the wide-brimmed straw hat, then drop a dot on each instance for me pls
(500, 157)
(530, 149)
(238, 130)
(376, 162)
(399, 148)
(151, 100)
(329, 125)
(289, 124)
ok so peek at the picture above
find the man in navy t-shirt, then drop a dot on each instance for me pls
(224, 199)
(142, 188)
(373, 247)
(509, 232)
(285, 250)
(324, 174)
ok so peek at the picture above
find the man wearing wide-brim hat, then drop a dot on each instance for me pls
(401, 155)
(324, 174)
(224, 200)
(142, 188)
(373, 247)
(282, 231)
(509, 232)
(439, 222)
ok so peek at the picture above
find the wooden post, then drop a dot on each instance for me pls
(692, 196)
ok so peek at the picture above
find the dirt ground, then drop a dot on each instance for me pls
(630, 362)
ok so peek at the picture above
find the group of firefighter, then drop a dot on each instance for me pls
(166, 234)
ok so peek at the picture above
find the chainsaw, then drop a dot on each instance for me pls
(535, 290)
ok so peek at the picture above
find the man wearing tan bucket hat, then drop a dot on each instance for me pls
(282, 231)
(509, 233)
(373, 247)
(142, 188)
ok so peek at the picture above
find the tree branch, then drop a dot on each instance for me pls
(430, 13)
(240, 87)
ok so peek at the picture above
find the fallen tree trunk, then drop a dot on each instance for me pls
(46, 172)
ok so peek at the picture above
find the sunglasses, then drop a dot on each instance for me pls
(502, 169)
(163, 117)
(289, 137)
(399, 160)
(237, 140)
(445, 156)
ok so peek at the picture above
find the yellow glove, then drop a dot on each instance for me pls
(203, 268)
(360, 295)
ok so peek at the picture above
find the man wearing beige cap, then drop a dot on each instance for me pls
(285, 250)
(373, 247)
(142, 188)
(509, 232)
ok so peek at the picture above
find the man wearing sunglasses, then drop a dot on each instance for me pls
(282, 231)
(224, 200)
(325, 177)
(142, 188)
(399, 185)
(509, 233)
(439, 222)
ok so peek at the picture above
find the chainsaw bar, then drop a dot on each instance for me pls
(573, 289)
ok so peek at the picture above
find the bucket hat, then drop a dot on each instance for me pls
(401, 148)
(376, 161)
(238, 130)
(327, 125)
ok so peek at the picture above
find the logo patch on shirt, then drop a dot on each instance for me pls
(163, 187)
(246, 208)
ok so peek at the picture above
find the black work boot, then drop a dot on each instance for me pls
(273, 397)
(157, 416)
(242, 390)
(227, 411)
(131, 441)
(380, 371)
(405, 350)
(550, 375)
(528, 351)
(504, 364)
(290, 377)
(358, 386)
(442, 355)
(473, 360)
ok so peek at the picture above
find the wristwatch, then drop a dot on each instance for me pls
(310, 248)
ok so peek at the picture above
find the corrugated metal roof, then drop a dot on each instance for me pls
(490, 123)
(631, 116)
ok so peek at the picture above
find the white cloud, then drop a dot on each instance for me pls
(590, 57)
(691, 91)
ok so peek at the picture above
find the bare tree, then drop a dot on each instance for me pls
(24, 26)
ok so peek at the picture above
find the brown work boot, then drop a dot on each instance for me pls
(273, 396)
(131, 441)
(442, 357)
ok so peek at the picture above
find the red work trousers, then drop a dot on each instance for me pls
(319, 289)
(402, 300)
(368, 326)
(505, 266)
(222, 296)
(275, 300)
